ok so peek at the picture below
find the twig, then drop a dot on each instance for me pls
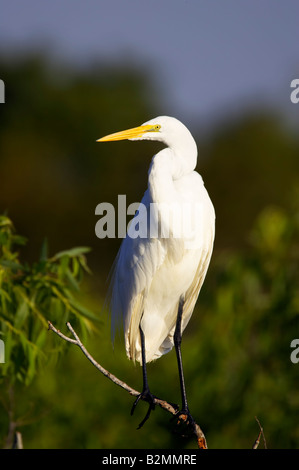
(261, 433)
(200, 437)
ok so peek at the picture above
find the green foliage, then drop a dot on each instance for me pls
(32, 295)
(236, 349)
(241, 353)
(236, 355)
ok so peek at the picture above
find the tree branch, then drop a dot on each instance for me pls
(261, 433)
(200, 437)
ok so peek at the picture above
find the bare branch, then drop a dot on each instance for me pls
(105, 372)
(261, 433)
(201, 440)
(58, 332)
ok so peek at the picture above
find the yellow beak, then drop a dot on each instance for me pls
(127, 134)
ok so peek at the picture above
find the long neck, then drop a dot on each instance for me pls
(168, 166)
(184, 157)
(172, 163)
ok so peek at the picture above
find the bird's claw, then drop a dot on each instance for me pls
(150, 398)
(185, 420)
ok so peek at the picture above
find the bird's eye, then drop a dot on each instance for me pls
(154, 128)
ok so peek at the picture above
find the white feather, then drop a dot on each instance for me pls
(152, 273)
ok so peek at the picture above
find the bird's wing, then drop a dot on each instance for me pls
(194, 289)
(208, 236)
(137, 261)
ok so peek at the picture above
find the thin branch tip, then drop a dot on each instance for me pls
(261, 433)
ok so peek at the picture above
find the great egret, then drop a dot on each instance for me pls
(157, 278)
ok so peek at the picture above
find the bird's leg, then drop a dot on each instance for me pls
(184, 413)
(145, 394)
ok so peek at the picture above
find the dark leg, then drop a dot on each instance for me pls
(145, 394)
(177, 337)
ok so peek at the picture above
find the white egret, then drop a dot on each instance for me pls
(157, 277)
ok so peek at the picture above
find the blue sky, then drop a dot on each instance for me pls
(206, 56)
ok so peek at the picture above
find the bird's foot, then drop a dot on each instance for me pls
(150, 398)
(186, 421)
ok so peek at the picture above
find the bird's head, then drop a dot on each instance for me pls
(163, 129)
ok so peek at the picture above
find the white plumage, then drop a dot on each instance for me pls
(170, 261)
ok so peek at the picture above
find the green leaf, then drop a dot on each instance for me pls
(31, 356)
(72, 281)
(77, 251)
(44, 250)
(5, 221)
(41, 338)
(21, 314)
(31, 304)
(4, 295)
(13, 265)
(19, 240)
(82, 261)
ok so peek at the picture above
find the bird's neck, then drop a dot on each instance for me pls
(168, 166)
(183, 158)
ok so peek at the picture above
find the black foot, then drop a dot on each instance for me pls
(150, 398)
(185, 421)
